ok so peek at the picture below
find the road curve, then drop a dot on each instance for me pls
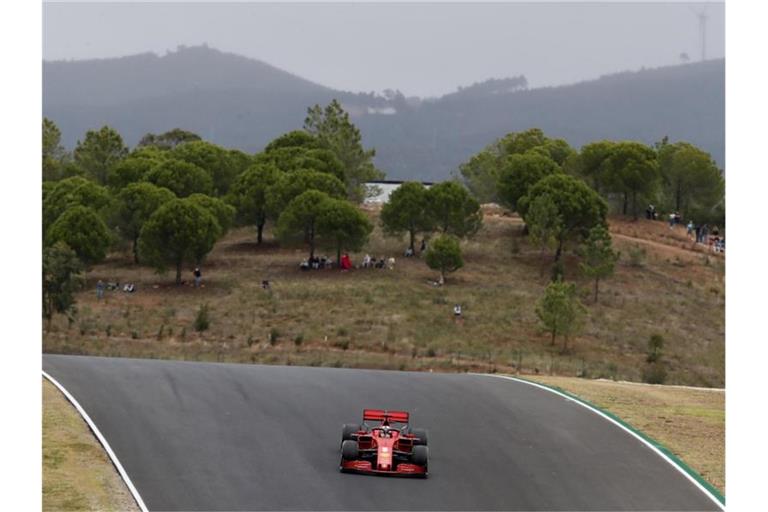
(204, 436)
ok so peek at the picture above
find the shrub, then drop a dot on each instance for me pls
(655, 373)
(250, 341)
(274, 336)
(444, 255)
(560, 311)
(342, 344)
(85, 325)
(637, 256)
(342, 331)
(558, 271)
(298, 339)
(202, 320)
(655, 345)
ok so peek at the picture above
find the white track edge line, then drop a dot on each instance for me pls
(625, 429)
(102, 440)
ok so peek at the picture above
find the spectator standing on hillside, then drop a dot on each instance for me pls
(671, 220)
(705, 234)
(423, 245)
(100, 290)
(457, 316)
(198, 277)
(690, 229)
(697, 229)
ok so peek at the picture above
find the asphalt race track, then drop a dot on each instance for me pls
(203, 436)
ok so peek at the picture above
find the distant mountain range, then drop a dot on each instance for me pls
(244, 103)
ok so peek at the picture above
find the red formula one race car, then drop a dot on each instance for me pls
(390, 448)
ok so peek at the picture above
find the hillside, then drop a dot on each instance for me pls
(397, 319)
(244, 103)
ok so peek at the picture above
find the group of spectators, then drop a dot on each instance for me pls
(317, 263)
(345, 263)
(101, 287)
(651, 213)
(701, 233)
(382, 262)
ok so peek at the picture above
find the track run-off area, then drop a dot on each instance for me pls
(215, 436)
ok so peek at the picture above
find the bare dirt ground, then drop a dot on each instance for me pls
(690, 422)
(77, 473)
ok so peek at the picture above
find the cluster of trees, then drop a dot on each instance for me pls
(628, 175)
(675, 176)
(446, 208)
(490, 87)
(174, 195)
(563, 195)
(103, 194)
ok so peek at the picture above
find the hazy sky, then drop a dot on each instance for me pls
(421, 49)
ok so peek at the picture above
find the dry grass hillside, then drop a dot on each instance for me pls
(398, 319)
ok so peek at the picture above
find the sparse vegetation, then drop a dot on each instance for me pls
(637, 256)
(202, 319)
(655, 346)
(404, 312)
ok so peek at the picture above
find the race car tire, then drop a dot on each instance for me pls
(421, 433)
(420, 455)
(347, 430)
(349, 450)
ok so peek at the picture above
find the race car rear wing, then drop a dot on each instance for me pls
(385, 416)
